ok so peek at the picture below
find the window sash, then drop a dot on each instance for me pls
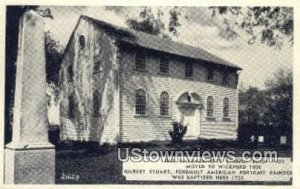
(96, 104)
(164, 104)
(97, 66)
(226, 108)
(164, 110)
(140, 109)
(210, 107)
(71, 106)
(82, 41)
(225, 78)
(210, 74)
(140, 103)
(140, 61)
(164, 65)
(189, 70)
(70, 73)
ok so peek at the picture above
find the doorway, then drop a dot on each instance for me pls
(191, 117)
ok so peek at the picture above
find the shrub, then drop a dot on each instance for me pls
(179, 130)
(245, 131)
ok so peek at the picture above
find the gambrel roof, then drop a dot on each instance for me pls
(153, 42)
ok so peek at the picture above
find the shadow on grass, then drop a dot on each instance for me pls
(87, 163)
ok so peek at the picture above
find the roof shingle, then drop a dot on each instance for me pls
(164, 45)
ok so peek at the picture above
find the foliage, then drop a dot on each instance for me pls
(152, 23)
(179, 130)
(252, 105)
(269, 109)
(271, 135)
(272, 25)
(52, 94)
(148, 22)
(279, 100)
(53, 60)
(174, 21)
(245, 131)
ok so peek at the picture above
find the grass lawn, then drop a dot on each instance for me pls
(87, 167)
(86, 164)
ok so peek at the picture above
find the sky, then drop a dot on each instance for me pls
(198, 28)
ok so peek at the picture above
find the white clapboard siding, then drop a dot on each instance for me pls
(154, 127)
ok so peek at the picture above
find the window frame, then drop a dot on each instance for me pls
(62, 76)
(213, 107)
(70, 73)
(225, 78)
(82, 41)
(71, 107)
(136, 113)
(164, 65)
(189, 66)
(97, 98)
(210, 74)
(228, 116)
(96, 66)
(163, 104)
(140, 52)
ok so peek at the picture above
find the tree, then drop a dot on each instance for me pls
(251, 111)
(148, 22)
(174, 21)
(54, 54)
(269, 111)
(272, 25)
(152, 23)
(251, 106)
(279, 100)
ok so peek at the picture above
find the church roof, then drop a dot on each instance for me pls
(153, 42)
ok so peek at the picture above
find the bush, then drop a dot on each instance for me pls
(245, 131)
(179, 130)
